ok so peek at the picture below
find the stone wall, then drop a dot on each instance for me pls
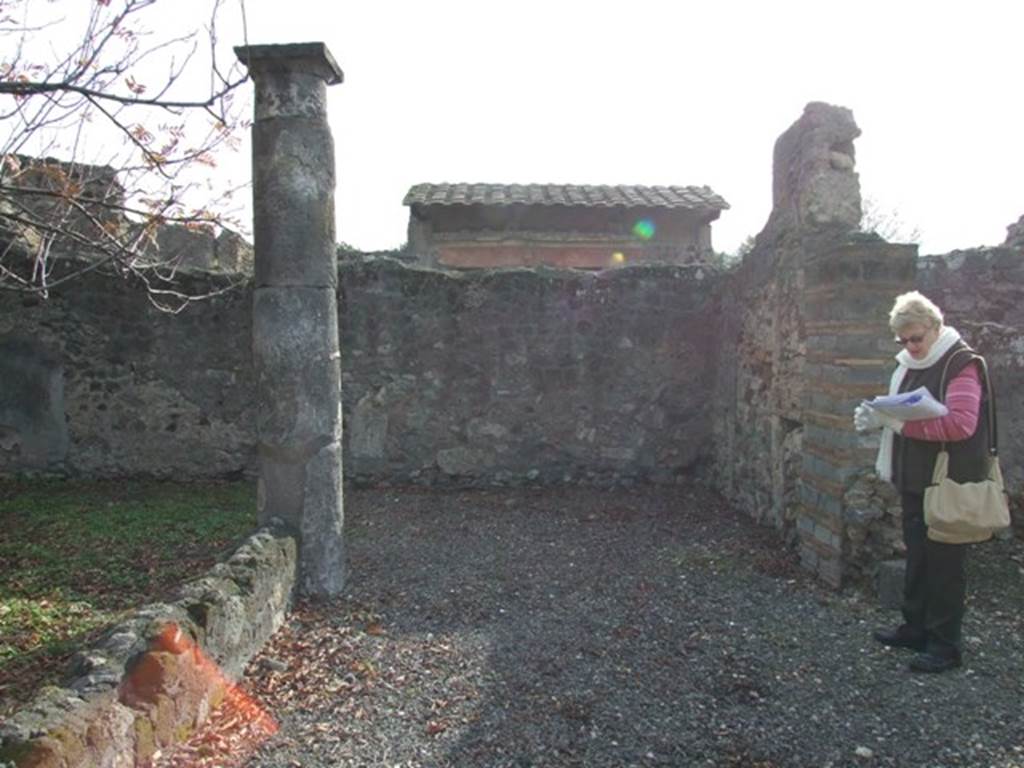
(33, 430)
(143, 392)
(764, 393)
(848, 294)
(759, 387)
(804, 340)
(519, 376)
(86, 198)
(1015, 234)
(156, 676)
(526, 375)
(473, 378)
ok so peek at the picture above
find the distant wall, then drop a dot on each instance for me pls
(526, 375)
(143, 392)
(473, 378)
(33, 431)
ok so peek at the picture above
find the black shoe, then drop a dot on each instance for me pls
(934, 663)
(901, 637)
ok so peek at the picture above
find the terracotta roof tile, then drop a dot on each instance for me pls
(590, 196)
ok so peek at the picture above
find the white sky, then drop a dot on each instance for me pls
(645, 92)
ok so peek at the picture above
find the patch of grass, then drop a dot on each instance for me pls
(75, 556)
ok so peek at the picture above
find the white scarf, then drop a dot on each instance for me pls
(947, 338)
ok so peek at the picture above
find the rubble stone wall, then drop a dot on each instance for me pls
(471, 378)
(758, 394)
(143, 392)
(526, 375)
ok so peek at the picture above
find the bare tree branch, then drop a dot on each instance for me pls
(88, 167)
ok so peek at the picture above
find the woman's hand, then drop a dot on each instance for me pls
(866, 418)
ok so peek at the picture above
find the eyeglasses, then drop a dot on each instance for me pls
(917, 339)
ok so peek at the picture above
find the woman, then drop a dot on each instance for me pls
(935, 587)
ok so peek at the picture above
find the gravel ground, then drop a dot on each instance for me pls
(644, 627)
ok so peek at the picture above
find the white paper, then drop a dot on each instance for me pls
(909, 406)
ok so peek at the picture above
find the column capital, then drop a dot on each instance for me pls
(291, 58)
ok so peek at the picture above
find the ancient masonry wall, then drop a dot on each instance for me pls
(142, 392)
(758, 393)
(806, 340)
(526, 376)
(536, 376)
(848, 292)
(768, 397)
(471, 378)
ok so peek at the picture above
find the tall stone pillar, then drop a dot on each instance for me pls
(849, 290)
(295, 313)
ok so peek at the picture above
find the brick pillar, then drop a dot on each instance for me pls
(295, 313)
(848, 292)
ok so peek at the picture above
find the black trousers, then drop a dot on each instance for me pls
(935, 588)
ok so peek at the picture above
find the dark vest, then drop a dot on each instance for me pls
(913, 461)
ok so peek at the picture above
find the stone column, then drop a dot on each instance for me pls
(848, 293)
(295, 314)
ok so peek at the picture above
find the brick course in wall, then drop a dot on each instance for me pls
(847, 295)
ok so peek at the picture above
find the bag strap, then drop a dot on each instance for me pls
(993, 437)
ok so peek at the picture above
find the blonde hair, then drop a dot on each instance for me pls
(913, 308)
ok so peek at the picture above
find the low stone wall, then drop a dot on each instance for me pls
(157, 676)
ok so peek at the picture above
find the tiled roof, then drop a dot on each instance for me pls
(588, 196)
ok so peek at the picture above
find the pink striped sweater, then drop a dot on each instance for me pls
(963, 398)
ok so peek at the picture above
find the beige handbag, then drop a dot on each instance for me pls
(964, 513)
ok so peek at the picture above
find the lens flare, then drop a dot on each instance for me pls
(234, 730)
(644, 229)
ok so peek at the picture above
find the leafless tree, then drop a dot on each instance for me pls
(109, 133)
